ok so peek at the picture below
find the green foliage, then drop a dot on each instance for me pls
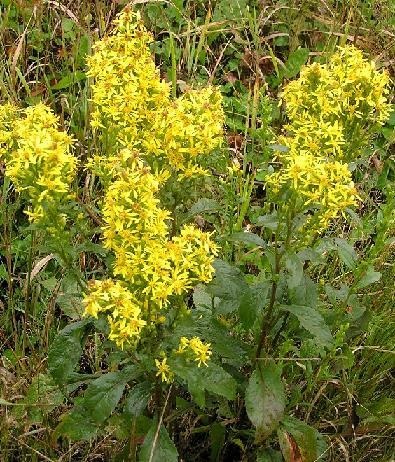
(265, 400)
(158, 446)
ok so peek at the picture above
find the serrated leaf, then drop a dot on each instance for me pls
(42, 397)
(311, 320)
(137, 398)
(66, 350)
(269, 455)
(204, 205)
(96, 405)
(295, 270)
(69, 80)
(157, 446)
(211, 378)
(265, 400)
(200, 323)
(305, 293)
(229, 286)
(268, 221)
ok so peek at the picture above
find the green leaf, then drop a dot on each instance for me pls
(269, 221)
(294, 267)
(69, 80)
(228, 285)
(200, 323)
(204, 205)
(265, 400)
(368, 278)
(305, 293)
(295, 61)
(217, 440)
(211, 378)
(269, 455)
(346, 253)
(247, 238)
(137, 398)
(66, 350)
(229, 11)
(70, 299)
(157, 446)
(96, 405)
(311, 320)
(42, 397)
(304, 436)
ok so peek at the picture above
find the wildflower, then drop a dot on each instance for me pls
(340, 104)
(324, 134)
(121, 306)
(133, 108)
(200, 351)
(164, 371)
(38, 161)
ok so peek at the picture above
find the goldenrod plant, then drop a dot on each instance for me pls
(217, 296)
(39, 161)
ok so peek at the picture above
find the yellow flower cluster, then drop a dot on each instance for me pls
(333, 110)
(147, 137)
(133, 107)
(38, 160)
(199, 350)
(124, 311)
(136, 230)
(319, 182)
(127, 90)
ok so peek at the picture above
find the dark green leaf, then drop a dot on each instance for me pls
(312, 321)
(217, 439)
(265, 400)
(211, 378)
(97, 404)
(269, 455)
(200, 323)
(137, 398)
(305, 293)
(204, 205)
(66, 350)
(157, 446)
(268, 221)
(69, 80)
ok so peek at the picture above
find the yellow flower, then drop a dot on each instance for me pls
(38, 160)
(199, 350)
(164, 371)
(334, 109)
(133, 108)
(124, 311)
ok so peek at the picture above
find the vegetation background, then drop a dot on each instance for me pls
(249, 49)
